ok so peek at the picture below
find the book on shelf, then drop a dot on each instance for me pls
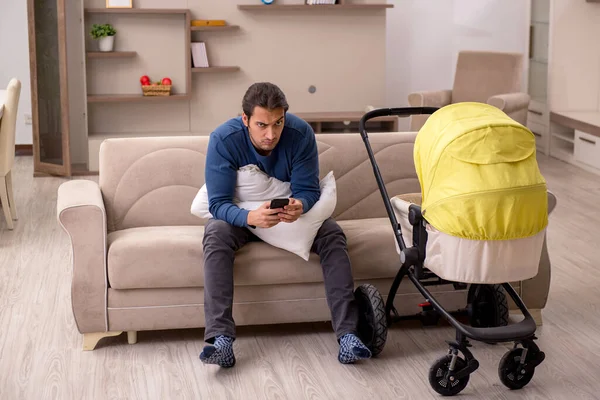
(199, 56)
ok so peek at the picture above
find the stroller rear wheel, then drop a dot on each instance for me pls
(372, 324)
(487, 306)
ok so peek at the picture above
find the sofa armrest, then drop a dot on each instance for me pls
(510, 102)
(439, 98)
(81, 213)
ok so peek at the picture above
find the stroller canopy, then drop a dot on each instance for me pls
(479, 174)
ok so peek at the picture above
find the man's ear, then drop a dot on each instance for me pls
(245, 119)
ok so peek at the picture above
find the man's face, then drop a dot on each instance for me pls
(265, 127)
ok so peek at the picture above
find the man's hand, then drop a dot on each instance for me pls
(264, 217)
(292, 211)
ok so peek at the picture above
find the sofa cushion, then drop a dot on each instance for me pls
(171, 257)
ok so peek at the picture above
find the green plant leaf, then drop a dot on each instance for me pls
(102, 30)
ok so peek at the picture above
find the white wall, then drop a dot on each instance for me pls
(574, 61)
(14, 62)
(424, 37)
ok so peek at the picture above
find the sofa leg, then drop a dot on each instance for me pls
(132, 337)
(537, 316)
(90, 340)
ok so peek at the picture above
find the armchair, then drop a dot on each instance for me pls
(486, 77)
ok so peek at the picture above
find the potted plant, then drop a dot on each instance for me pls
(105, 34)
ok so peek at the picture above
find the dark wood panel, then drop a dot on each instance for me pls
(337, 122)
(574, 123)
(136, 11)
(188, 52)
(215, 69)
(110, 54)
(320, 7)
(133, 98)
(49, 91)
(340, 116)
(215, 28)
(23, 149)
(64, 89)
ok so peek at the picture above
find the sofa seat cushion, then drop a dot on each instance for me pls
(172, 257)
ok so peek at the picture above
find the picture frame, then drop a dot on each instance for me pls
(119, 4)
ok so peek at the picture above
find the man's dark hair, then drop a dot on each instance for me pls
(263, 94)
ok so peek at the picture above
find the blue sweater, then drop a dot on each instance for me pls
(294, 159)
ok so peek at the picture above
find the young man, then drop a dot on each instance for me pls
(284, 147)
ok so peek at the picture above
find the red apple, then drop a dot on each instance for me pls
(145, 80)
(166, 81)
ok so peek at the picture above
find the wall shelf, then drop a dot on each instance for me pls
(139, 97)
(215, 28)
(136, 11)
(564, 137)
(111, 54)
(319, 7)
(215, 69)
(133, 98)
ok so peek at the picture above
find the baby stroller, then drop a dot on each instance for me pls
(479, 222)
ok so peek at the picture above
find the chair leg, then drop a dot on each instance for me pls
(11, 197)
(537, 316)
(5, 203)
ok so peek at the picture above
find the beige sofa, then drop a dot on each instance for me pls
(137, 250)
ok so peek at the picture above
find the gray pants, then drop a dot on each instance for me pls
(222, 240)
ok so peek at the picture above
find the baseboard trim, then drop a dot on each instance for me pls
(23, 149)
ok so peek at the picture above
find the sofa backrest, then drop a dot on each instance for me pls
(152, 181)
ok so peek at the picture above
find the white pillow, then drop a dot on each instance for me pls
(254, 187)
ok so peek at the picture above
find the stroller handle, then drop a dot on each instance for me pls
(382, 112)
(385, 112)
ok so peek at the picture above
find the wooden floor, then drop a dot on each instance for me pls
(41, 356)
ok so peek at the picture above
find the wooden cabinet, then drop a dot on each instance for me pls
(49, 88)
(587, 149)
(347, 122)
(575, 138)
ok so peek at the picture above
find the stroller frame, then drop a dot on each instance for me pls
(450, 374)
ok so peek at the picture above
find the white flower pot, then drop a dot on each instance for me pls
(106, 43)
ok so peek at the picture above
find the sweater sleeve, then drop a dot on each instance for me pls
(220, 178)
(305, 171)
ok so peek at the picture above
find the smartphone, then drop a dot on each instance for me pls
(279, 203)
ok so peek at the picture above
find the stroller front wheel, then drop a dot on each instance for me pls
(444, 381)
(372, 321)
(514, 372)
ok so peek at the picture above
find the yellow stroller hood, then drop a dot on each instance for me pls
(479, 174)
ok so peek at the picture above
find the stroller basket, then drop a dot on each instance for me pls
(479, 222)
